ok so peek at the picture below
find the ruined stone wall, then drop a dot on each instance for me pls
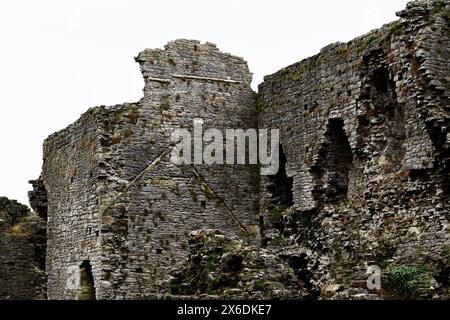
(187, 80)
(69, 178)
(22, 252)
(364, 126)
(133, 233)
(364, 176)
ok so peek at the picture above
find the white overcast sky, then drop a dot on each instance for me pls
(58, 58)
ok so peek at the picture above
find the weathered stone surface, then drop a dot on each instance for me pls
(363, 128)
(222, 266)
(133, 240)
(38, 198)
(364, 179)
(22, 252)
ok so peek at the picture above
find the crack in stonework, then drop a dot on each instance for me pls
(148, 169)
(151, 166)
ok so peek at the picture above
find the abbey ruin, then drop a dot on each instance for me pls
(364, 177)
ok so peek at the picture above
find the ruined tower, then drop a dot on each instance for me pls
(117, 220)
(364, 177)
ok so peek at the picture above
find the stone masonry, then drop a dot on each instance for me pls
(22, 252)
(364, 175)
(130, 231)
(364, 128)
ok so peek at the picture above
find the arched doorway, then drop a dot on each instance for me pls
(331, 171)
(280, 185)
(87, 287)
(281, 194)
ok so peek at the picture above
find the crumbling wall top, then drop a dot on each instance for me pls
(191, 59)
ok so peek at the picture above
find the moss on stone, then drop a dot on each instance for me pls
(276, 215)
(132, 113)
(278, 240)
(408, 280)
(438, 7)
(260, 285)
